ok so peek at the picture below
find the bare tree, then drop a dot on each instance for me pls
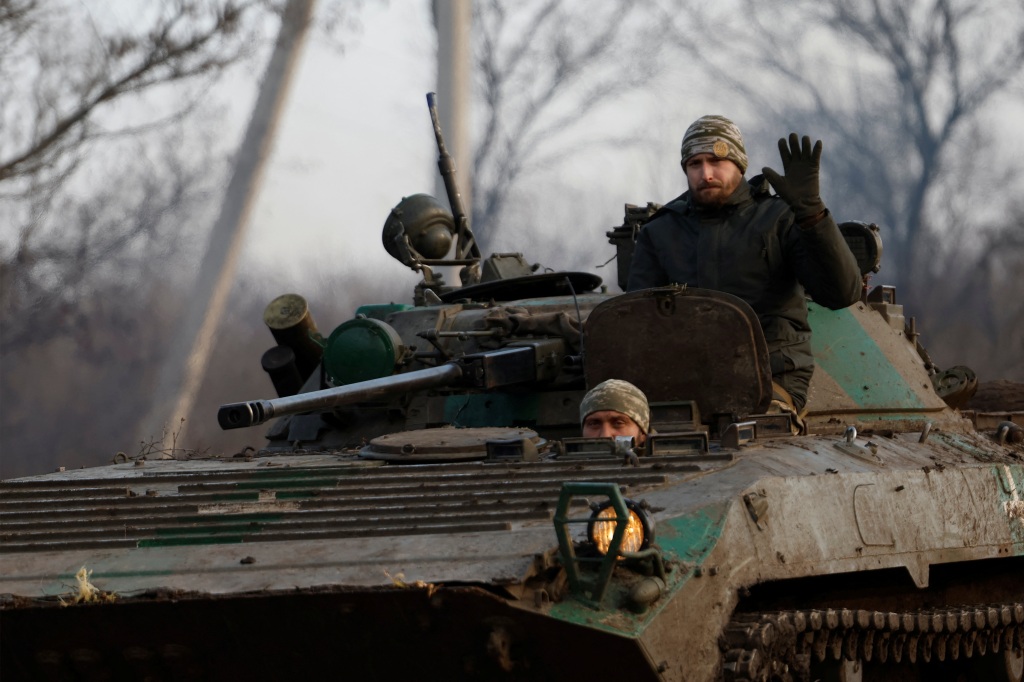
(81, 111)
(89, 302)
(544, 70)
(188, 41)
(103, 249)
(946, 63)
(112, 161)
(976, 303)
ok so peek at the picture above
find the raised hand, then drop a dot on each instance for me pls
(799, 186)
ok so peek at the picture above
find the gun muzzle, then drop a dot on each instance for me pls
(240, 415)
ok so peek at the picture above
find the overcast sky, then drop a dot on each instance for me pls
(355, 128)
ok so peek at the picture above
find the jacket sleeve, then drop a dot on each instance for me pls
(645, 270)
(824, 263)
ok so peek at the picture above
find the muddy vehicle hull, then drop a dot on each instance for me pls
(900, 546)
(257, 570)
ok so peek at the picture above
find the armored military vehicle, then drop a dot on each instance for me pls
(424, 508)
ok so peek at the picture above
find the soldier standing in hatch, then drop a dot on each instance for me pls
(732, 235)
(615, 408)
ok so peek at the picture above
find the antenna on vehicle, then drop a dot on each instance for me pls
(579, 317)
(465, 247)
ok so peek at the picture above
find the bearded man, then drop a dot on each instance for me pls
(733, 235)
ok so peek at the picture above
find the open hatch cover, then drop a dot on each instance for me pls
(679, 343)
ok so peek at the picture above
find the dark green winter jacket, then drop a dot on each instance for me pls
(751, 248)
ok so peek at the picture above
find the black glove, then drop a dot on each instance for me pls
(799, 187)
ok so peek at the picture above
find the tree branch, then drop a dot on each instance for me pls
(164, 62)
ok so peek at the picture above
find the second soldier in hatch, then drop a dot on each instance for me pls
(615, 408)
(733, 235)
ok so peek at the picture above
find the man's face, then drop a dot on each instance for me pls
(712, 180)
(609, 423)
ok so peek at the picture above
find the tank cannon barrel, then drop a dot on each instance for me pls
(254, 412)
(490, 369)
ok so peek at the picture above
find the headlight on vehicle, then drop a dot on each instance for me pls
(638, 534)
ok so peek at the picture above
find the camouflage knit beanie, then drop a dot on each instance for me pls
(715, 135)
(618, 395)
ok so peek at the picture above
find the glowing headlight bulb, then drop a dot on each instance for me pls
(639, 529)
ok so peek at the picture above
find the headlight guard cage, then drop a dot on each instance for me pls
(592, 592)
